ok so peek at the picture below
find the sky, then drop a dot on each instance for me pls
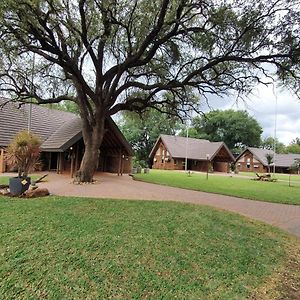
(262, 106)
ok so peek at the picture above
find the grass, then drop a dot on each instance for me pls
(73, 248)
(277, 192)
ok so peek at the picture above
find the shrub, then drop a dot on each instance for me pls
(23, 152)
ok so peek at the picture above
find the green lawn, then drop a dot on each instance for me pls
(278, 192)
(73, 248)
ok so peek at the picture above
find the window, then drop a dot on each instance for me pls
(248, 163)
(175, 162)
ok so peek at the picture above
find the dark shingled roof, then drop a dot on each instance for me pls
(14, 118)
(281, 160)
(197, 149)
(57, 129)
(64, 137)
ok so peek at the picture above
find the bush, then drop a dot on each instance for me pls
(23, 152)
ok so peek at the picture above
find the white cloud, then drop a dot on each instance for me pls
(262, 106)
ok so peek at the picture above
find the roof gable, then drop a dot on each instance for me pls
(281, 160)
(196, 149)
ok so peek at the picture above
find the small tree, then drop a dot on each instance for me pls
(269, 158)
(23, 152)
(295, 166)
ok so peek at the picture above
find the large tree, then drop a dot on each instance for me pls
(236, 128)
(109, 55)
(142, 131)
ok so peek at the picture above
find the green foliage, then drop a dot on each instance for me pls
(111, 56)
(235, 128)
(269, 158)
(295, 166)
(294, 146)
(75, 248)
(23, 152)
(268, 143)
(142, 131)
(65, 106)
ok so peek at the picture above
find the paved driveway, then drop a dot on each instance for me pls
(284, 216)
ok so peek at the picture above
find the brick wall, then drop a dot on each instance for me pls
(247, 163)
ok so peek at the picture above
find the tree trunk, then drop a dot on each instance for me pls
(92, 137)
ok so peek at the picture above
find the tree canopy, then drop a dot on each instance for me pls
(108, 55)
(294, 146)
(142, 131)
(269, 143)
(236, 128)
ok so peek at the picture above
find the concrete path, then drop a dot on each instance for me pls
(284, 216)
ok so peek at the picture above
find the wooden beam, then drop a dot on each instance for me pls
(2, 163)
(58, 163)
(120, 164)
(72, 164)
(49, 161)
(76, 157)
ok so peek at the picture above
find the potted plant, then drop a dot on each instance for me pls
(23, 153)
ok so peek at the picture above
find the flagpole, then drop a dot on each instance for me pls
(275, 131)
(32, 90)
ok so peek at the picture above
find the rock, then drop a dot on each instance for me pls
(4, 192)
(39, 192)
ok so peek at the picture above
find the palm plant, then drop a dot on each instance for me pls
(23, 152)
(269, 158)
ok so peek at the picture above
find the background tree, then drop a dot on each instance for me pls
(108, 56)
(268, 143)
(142, 131)
(65, 106)
(236, 128)
(294, 146)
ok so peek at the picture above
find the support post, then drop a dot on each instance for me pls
(72, 164)
(207, 162)
(58, 163)
(120, 162)
(49, 161)
(2, 163)
(76, 157)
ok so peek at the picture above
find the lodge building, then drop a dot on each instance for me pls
(62, 143)
(171, 153)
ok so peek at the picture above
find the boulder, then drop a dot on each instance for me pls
(39, 192)
(4, 192)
